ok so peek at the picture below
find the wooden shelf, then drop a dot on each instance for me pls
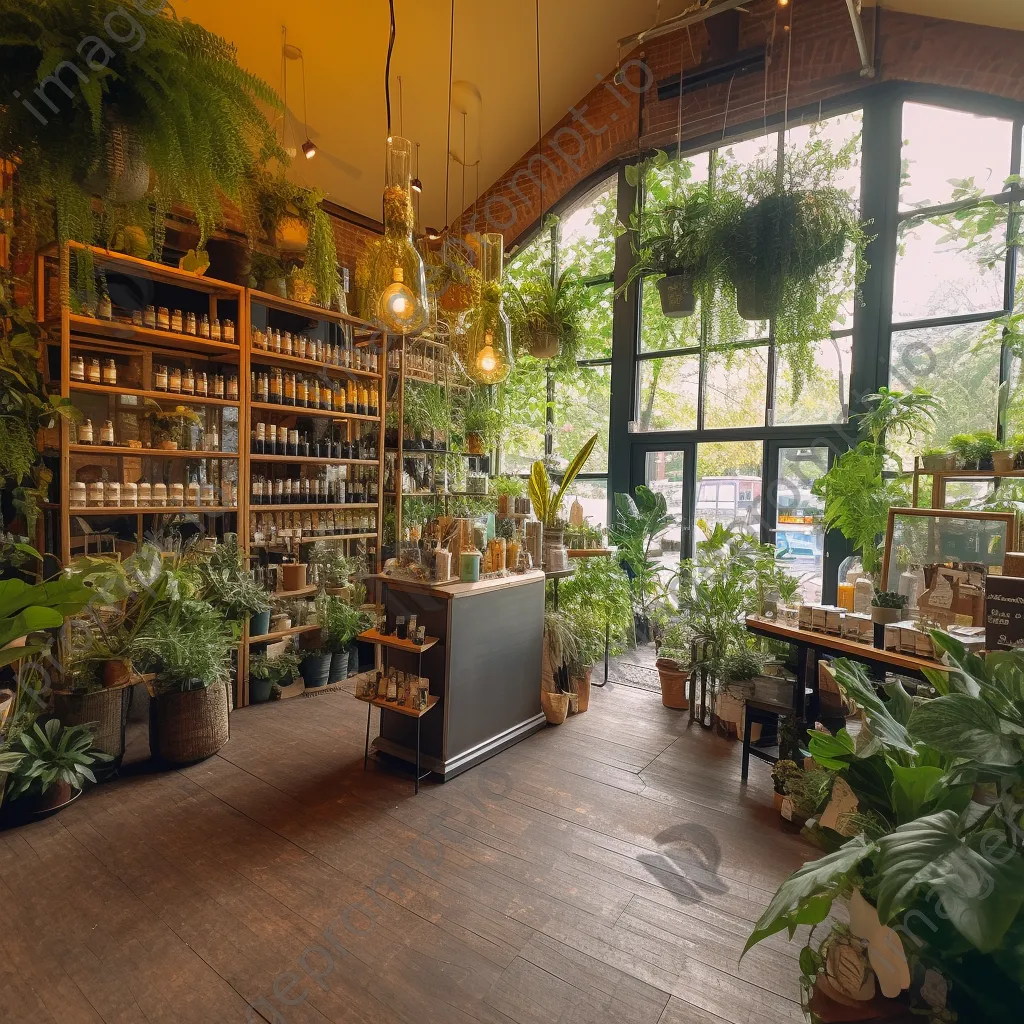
(167, 339)
(159, 396)
(180, 453)
(380, 702)
(313, 459)
(312, 366)
(126, 510)
(298, 410)
(970, 474)
(308, 310)
(303, 592)
(371, 636)
(590, 552)
(298, 506)
(313, 539)
(269, 638)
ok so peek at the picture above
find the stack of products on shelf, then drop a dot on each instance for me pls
(299, 391)
(143, 494)
(345, 353)
(332, 485)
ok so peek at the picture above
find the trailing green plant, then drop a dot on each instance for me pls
(279, 670)
(547, 499)
(176, 99)
(783, 247)
(538, 304)
(479, 415)
(45, 756)
(599, 592)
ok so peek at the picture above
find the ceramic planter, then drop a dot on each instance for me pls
(754, 305)
(543, 344)
(884, 616)
(54, 799)
(475, 443)
(293, 576)
(938, 463)
(677, 298)
(316, 670)
(673, 680)
(259, 690)
(259, 624)
(1002, 462)
(339, 666)
(555, 705)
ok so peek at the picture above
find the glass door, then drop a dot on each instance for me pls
(669, 472)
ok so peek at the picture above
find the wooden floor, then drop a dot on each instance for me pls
(602, 872)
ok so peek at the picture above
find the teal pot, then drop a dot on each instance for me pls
(259, 690)
(677, 298)
(259, 624)
(339, 666)
(316, 670)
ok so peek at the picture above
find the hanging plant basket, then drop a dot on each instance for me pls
(122, 174)
(756, 304)
(543, 343)
(456, 298)
(291, 234)
(677, 297)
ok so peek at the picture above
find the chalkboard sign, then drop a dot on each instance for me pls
(1004, 612)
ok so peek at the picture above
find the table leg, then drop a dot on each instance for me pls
(418, 720)
(607, 649)
(366, 749)
(745, 762)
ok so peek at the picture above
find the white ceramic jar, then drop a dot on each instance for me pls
(145, 495)
(79, 495)
(177, 495)
(113, 494)
(129, 495)
(159, 495)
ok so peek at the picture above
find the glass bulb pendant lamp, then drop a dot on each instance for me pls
(396, 284)
(489, 341)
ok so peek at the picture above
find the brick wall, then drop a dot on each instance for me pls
(813, 61)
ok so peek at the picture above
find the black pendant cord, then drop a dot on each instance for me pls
(387, 66)
(448, 144)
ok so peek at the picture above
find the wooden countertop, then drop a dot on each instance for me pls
(457, 589)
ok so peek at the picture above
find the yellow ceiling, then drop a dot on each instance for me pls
(345, 44)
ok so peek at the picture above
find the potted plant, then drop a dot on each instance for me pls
(436, 414)
(985, 447)
(481, 422)
(316, 667)
(48, 766)
(561, 648)
(170, 429)
(547, 316)
(175, 119)
(223, 581)
(675, 665)
(966, 451)
(265, 673)
(887, 606)
(452, 276)
(937, 460)
(546, 498)
(678, 240)
(1016, 445)
(340, 624)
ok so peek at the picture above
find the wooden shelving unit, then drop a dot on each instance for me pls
(940, 478)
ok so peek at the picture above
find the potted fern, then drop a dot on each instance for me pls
(546, 315)
(481, 422)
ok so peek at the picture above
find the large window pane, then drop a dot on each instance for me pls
(799, 526)
(667, 393)
(736, 387)
(959, 365)
(581, 409)
(523, 400)
(586, 238)
(841, 136)
(664, 184)
(729, 486)
(597, 323)
(734, 161)
(943, 147)
(936, 276)
(593, 496)
(825, 397)
(666, 475)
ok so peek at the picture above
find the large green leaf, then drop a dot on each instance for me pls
(885, 730)
(540, 490)
(962, 726)
(913, 788)
(573, 470)
(979, 882)
(830, 751)
(809, 892)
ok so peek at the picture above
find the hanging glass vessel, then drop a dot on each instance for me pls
(394, 284)
(489, 335)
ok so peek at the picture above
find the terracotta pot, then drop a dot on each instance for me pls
(293, 576)
(117, 673)
(1002, 462)
(677, 298)
(582, 684)
(456, 298)
(543, 344)
(753, 305)
(291, 234)
(54, 799)
(555, 705)
(300, 291)
(779, 797)
(475, 443)
(673, 684)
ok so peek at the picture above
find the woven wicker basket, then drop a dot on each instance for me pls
(107, 712)
(189, 727)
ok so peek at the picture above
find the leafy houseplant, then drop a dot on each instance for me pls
(340, 624)
(169, 428)
(561, 649)
(985, 446)
(782, 248)
(170, 118)
(546, 315)
(50, 764)
(225, 583)
(265, 673)
(547, 500)
(481, 422)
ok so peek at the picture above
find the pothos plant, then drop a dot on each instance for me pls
(25, 406)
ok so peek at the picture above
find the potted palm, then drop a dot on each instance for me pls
(546, 315)
(48, 766)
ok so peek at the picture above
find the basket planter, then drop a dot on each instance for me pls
(190, 726)
(259, 624)
(673, 684)
(121, 175)
(117, 673)
(543, 343)
(754, 305)
(555, 705)
(339, 666)
(316, 670)
(581, 684)
(259, 690)
(938, 463)
(107, 712)
(456, 298)
(475, 443)
(1002, 462)
(677, 298)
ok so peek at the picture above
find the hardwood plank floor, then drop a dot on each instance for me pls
(604, 872)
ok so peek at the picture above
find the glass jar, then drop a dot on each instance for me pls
(489, 333)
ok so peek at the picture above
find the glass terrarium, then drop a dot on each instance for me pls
(489, 336)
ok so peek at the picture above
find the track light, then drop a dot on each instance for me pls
(417, 185)
(433, 235)
(309, 149)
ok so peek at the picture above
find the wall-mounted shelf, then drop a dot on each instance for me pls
(157, 396)
(298, 410)
(152, 453)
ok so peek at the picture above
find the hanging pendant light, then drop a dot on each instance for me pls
(489, 356)
(393, 279)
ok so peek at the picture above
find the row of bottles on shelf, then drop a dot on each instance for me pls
(277, 387)
(175, 380)
(277, 439)
(114, 494)
(84, 433)
(270, 529)
(419, 365)
(334, 485)
(160, 318)
(344, 353)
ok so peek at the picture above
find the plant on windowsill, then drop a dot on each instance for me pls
(937, 460)
(887, 606)
(783, 248)
(547, 317)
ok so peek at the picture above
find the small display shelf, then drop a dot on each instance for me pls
(372, 636)
(145, 510)
(298, 410)
(400, 709)
(152, 453)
